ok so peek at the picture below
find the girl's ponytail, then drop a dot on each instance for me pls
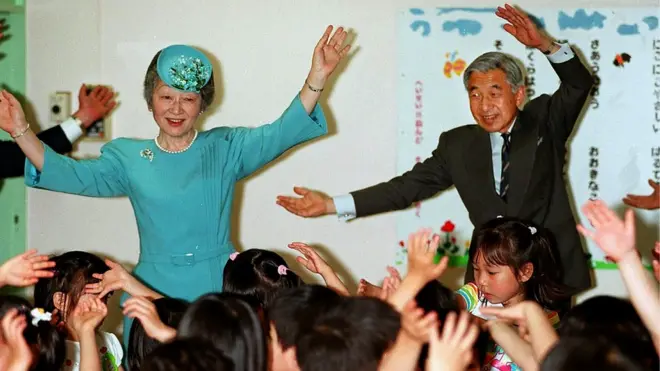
(546, 284)
(52, 346)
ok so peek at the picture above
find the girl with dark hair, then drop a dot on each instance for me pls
(79, 314)
(259, 275)
(513, 261)
(231, 325)
(43, 338)
(165, 313)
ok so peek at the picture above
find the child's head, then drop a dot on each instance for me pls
(290, 314)
(169, 311)
(47, 343)
(73, 270)
(259, 274)
(517, 259)
(231, 325)
(615, 319)
(435, 297)
(189, 355)
(578, 353)
(353, 335)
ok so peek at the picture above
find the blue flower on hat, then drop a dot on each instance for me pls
(189, 74)
(183, 67)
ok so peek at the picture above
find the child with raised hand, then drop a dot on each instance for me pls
(15, 353)
(78, 311)
(616, 238)
(118, 278)
(25, 269)
(535, 335)
(156, 324)
(146, 312)
(422, 268)
(316, 264)
(452, 350)
(390, 283)
(83, 352)
(416, 324)
(45, 341)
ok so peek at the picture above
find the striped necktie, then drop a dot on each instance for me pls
(504, 180)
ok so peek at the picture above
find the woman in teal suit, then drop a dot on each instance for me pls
(180, 184)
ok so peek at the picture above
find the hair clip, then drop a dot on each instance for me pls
(532, 230)
(233, 256)
(38, 315)
(282, 270)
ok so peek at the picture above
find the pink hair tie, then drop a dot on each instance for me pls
(282, 270)
(233, 256)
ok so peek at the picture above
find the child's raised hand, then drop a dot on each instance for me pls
(387, 290)
(366, 288)
(310, 259)
(391, 283)
(145, 311)
(20, 355)
(416, 324)
(117, 278)
(452, 350)
(513, 314)
(25, 269)
(88, 315)
(422, 247)
(394, 274)
(614, 236)
(314, 263)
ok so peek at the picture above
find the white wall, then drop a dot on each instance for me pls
(264, 49)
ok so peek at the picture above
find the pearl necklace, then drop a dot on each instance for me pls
(179, 151)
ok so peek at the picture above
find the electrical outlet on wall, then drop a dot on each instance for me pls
(60, 107)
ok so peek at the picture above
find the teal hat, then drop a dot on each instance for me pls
(184, 68)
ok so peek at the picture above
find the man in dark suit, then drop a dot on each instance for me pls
(93, 106)
(510, 164)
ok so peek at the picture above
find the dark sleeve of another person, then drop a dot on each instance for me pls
(13, 159)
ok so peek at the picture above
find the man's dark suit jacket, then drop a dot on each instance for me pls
(13, 159)
(537, 190)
